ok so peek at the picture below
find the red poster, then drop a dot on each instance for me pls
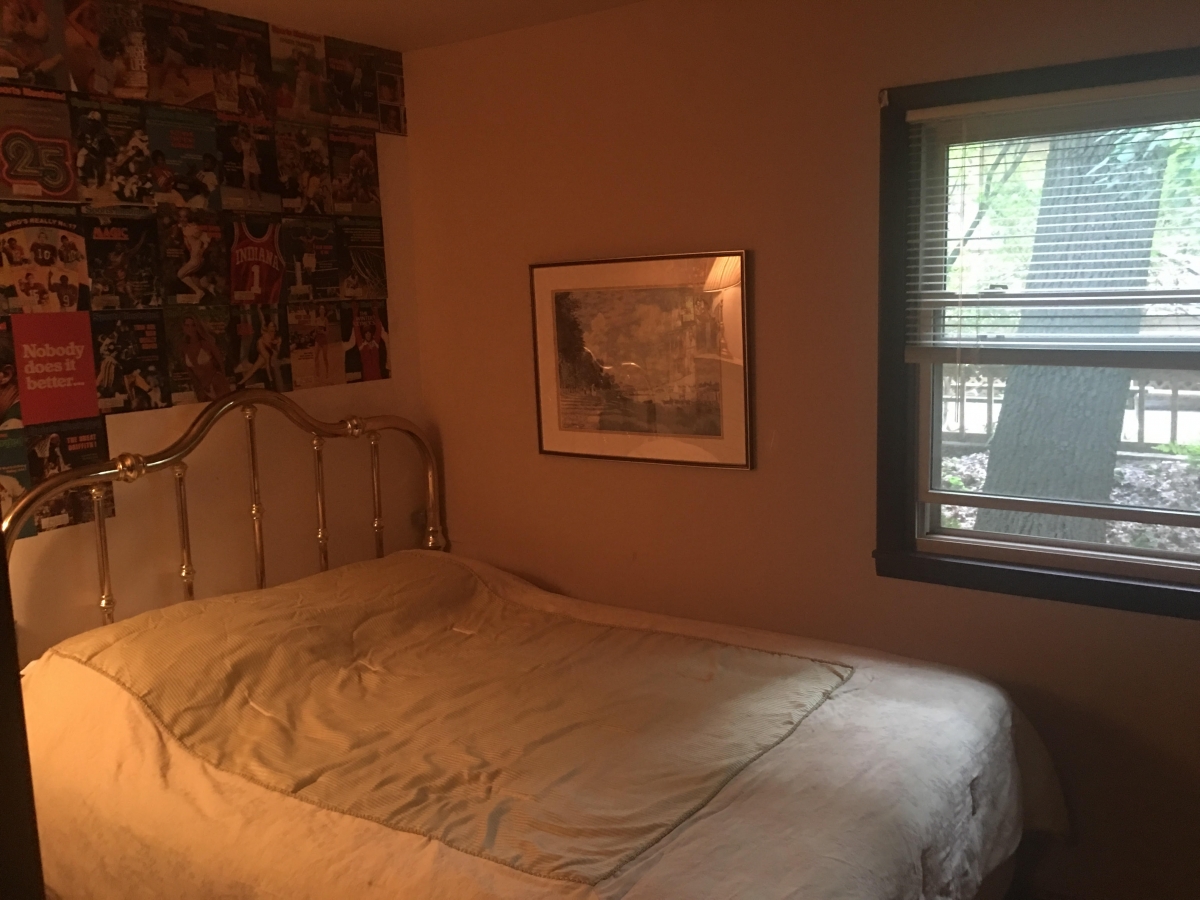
(55, 368)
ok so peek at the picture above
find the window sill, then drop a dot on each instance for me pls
(1109, 592)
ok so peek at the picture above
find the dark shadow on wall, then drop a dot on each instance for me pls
(1118, 788)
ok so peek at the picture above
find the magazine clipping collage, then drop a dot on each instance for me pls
(189, 205)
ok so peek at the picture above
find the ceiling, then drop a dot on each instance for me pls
(411, 24)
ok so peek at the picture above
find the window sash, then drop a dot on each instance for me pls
(929, 425)
(1096, 318)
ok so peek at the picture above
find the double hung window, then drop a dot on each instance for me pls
(1050, 332)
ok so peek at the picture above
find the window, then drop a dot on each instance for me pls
(1040, 333)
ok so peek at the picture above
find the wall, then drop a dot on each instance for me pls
(681, 125)
(54, 575)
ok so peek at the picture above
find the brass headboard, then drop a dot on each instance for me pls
(129, 467)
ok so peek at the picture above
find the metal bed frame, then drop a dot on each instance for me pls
(129, 467)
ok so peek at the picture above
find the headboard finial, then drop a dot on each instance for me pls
(130, 466)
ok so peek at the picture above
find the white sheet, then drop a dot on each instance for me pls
(903, 784)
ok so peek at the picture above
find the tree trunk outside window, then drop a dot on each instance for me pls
(1060, 427)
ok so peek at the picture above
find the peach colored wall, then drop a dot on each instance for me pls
(683, 125)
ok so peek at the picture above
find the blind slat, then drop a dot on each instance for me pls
(1081, 240)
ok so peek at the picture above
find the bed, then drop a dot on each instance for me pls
(423, 725)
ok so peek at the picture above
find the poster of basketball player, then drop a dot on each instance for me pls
(242, 66)
(249, 170)
(123, 260)
(298, 64)
(43, 265)
(354, 184)
(195, 256)
(261, 338)
(310, 259)
(59, 447)
(184, 165)
(316, 343)
(362, 273)
(130, 352)
(32, 50)
(35, 144)
(106, 48)
(202, 349)
(366, 346)
(14, 472)
(390, 80)
(352, 84)
(256, 267)
(303, 154)
(112, 151)
(178, 48)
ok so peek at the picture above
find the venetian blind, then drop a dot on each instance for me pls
(1060, 222)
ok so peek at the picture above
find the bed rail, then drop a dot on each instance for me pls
(128, 467)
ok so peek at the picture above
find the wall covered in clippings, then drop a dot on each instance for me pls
(187, 328)
(194, 199)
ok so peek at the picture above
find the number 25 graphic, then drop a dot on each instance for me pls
(41, 161)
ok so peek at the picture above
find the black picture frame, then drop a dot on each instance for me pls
(896, 554)
(728, 344)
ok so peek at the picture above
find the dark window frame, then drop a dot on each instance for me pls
(896, 555)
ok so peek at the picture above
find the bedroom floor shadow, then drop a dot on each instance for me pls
(1134, 812)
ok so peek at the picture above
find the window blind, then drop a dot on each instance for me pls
(1073, 224)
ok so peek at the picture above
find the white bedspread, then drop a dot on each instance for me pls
(903, 784)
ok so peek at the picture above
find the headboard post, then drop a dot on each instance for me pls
(377, 494)
(256, 508)
(318, 445)
(186, 571)
(107, 603)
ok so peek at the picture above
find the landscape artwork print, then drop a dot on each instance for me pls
(644, 359)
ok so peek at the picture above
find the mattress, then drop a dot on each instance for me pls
(819, 772)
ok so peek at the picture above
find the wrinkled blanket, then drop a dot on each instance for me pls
(406, 692)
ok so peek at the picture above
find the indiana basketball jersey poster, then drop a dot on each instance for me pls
(43, 265)
(310, 256)
(123, 260)
(55, 371)
(256, 268)
(35, 145)
(32, 45)
(362, 274)
(130, 352)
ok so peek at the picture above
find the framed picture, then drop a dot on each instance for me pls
(644, 359)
